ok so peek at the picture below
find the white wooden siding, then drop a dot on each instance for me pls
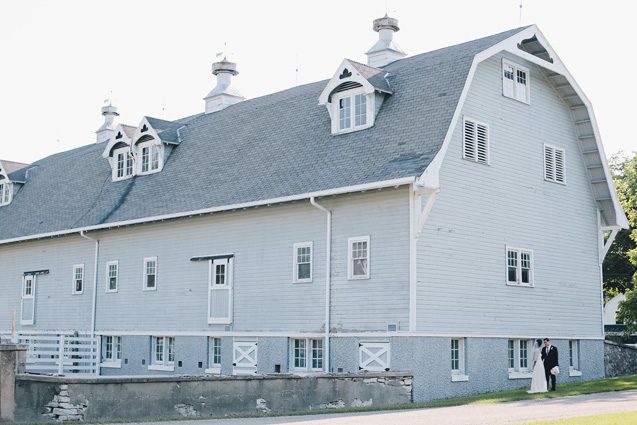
(461, 253)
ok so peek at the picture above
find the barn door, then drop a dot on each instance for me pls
(373, 356)
(27, 305)
(244, 358)
(220, 291)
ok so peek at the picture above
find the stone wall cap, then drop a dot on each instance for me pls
(193, 378)
(14, 347)
(630, 347)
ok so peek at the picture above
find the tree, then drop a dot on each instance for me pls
(621, 262)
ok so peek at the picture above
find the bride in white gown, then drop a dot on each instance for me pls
(538, 382)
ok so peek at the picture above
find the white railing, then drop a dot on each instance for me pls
(61, 354)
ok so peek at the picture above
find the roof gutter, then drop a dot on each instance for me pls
(329, 192)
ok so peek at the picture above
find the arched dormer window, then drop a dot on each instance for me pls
(150, 154)
(123, 163)
(352, 94)
(119, 154)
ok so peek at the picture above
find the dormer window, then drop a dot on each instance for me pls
(5, 193)
(150, 157)
(352, 111)
(124, 164)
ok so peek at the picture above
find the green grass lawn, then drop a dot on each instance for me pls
(629, 418)
(619, 383)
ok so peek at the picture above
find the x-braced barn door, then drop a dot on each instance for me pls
(244, 358)
(373, 356)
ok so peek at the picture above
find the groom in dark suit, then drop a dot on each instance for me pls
(549, 357)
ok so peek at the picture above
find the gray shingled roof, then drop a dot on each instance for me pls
(272, 146)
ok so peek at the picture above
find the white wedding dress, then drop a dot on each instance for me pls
(538, 382)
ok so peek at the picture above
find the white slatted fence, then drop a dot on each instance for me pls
(61, 354)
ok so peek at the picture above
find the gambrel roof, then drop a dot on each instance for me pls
(272, 148)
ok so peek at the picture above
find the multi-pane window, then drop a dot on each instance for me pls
(573, 355)
(111, 276)
(344, 113)
(150, 273)
(553, 164)
(303, 262)
(475, 144)
(150, 154)
(458, 372)
(515, 81)
(214, 355)
(163, 350)
(358, 265)
(112, 348)
(78, 278)
(308, 354)
(519, 266)
(123, 164)
(352, 112)
(27, 287)
(519, 355)
(5, 193)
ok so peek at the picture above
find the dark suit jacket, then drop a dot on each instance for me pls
(550, 358)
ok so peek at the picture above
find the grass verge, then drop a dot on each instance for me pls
(627, 418)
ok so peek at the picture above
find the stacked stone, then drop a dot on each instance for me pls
(62, 410)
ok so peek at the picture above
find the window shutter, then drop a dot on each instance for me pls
(483, 140)
(469, 143)
(549, 168)
(559, 165)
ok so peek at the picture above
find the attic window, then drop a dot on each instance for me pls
(124, 164)
(150, 154)
(5, 193)
(352, 110)
(515, 81)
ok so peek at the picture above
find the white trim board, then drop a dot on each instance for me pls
(265, 202)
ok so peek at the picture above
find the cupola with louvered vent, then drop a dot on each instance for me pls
(385, 50)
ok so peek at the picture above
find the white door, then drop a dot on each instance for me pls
(220, 291)
(244, 358)
(27, 305)
(373, 356)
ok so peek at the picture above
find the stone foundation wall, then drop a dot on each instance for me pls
(619, 359)
(41, 398)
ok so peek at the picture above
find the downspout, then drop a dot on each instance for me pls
(328, 281)
(97, 250)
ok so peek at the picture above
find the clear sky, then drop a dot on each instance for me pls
(61, 59)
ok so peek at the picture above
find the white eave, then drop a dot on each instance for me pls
(592, 150)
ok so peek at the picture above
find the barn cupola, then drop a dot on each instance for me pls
(385, 51)
(107, 129)
(224, 94)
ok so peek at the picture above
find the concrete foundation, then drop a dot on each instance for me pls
(12, 360)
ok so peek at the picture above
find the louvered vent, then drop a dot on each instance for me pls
(475, 146)
(554, 164)
(348, 85)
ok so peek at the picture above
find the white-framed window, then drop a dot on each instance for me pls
(220, 293)
(27, 303)
(519, 266)
(515, 81)
(573, 358)
(112, 276)
(112, 351)
(307, 355)
(6, 191)
(150, 273)
(303, 262)
(554, 164)
(150, 157)
(458, 369)
(353, 110)
(78, 279)
(475, 141)
(374, 356)
(163, 353)
(520, 358)
(214, 355)
(358, 258)
(123, 164)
